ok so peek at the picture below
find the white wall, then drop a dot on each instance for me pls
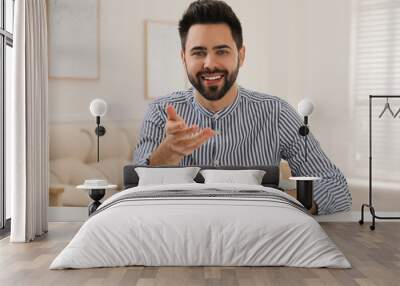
(309, 49)
(295, 49)
(121, 80)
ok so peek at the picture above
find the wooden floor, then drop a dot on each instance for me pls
(374, 255)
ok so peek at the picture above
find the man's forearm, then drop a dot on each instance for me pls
(163, 156)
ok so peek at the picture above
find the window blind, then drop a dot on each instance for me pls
(376, 70)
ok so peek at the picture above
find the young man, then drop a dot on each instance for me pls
(220, 123)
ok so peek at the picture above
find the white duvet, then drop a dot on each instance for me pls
(183, 231)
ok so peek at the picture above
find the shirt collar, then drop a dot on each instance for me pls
(219, 114)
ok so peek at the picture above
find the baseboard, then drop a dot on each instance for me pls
(355, 216)
(67, 214)
(80, 214)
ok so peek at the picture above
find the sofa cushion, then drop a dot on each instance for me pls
(72, 171)
(70, 141)
(111, 169)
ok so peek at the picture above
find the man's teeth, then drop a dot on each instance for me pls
(213, 77)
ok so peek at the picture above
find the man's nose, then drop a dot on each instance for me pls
(209, 62)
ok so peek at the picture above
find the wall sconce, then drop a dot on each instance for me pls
(98, 108)
(305, 108)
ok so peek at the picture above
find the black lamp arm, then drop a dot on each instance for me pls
(100, 131)
(303, 131)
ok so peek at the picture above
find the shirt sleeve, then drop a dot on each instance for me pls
(331, 193)
(152, 133)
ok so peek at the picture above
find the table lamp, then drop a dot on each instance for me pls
(98, 108)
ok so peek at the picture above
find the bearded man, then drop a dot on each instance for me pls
(218, 123)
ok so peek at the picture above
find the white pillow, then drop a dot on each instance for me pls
(248, 177)
(163, 176)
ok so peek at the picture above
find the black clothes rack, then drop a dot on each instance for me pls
(369, 205)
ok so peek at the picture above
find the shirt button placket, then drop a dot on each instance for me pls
(214, 127)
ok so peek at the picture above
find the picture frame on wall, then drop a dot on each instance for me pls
(73, 39)
(164, 70)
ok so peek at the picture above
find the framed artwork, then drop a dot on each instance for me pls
(73, 37)
(164, 71)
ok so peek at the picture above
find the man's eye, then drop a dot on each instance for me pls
(222, 52)
(199, 53)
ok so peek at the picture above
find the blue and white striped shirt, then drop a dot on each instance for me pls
(257, 129)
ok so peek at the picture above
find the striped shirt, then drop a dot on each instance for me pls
(257, 129)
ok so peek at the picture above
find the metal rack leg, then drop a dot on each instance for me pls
(372, 210)
(361, 221)
(374, 216)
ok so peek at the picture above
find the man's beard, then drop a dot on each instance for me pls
(212, 92)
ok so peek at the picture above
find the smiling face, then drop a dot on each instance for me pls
(212, 59)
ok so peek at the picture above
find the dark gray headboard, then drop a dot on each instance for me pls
(270, 179)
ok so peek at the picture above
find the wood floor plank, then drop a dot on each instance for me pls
(212, 272)
(374, 255)
(146, 282)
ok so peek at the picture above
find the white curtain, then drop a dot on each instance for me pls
(27, 126)
(376, 71)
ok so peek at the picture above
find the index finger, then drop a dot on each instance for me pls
(171, 113)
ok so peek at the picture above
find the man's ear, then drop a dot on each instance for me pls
(183, 56)
(242, 55)
(183, 60)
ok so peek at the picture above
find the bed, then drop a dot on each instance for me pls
(201, 224)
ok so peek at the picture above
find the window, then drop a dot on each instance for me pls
(376, 70)
(6, 44)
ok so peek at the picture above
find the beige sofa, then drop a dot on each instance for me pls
(73, 158)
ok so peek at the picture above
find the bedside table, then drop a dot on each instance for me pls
(97, 190)
(304, 190)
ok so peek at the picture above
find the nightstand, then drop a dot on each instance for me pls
(97, 190)
(304, 190)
